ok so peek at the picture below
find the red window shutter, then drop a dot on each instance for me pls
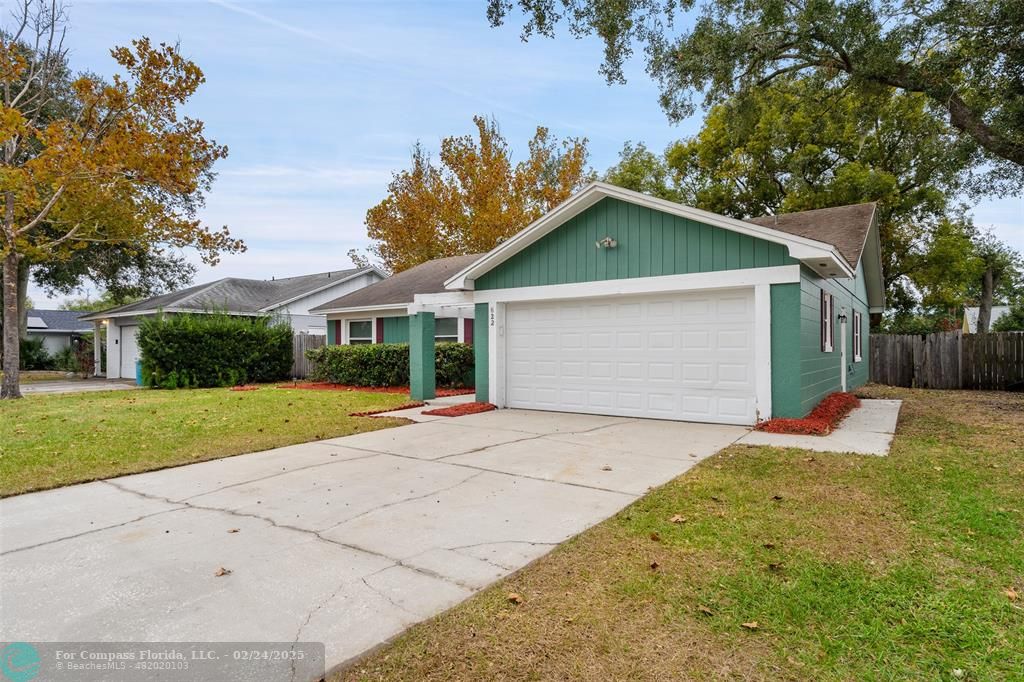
(823, 322)
(467, 330)
(379, 323)
(337, 332)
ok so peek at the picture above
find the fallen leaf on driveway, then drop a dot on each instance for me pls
(1011, 594)
(705, 610)
(515, 598)
(752, 625)
(678, 519)
(222, 572)
(606, 468)
(233, 530)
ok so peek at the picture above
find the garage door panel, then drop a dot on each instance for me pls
(681, 356)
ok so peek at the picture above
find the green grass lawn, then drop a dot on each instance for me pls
(48, 441)
(852, 568)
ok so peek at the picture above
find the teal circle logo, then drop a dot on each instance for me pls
(19, 662)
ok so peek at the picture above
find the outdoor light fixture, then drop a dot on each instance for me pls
(606, 243)
(842, 318)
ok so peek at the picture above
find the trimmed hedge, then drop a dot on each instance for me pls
(216, 349)
(387, 364)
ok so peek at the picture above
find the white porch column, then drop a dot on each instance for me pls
(97, 352)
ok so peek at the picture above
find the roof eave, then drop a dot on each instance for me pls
(360, 308)
(357, 273)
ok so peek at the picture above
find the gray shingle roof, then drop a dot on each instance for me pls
(845, 227)
(236, 295)
(58, 320)
(425, 278)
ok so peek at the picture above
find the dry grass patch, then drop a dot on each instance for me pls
(852, 567)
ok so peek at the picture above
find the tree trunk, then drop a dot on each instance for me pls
(22, 297)
(985, 311)
(12, 356)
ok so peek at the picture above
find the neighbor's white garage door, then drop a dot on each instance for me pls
(678, 356)
(129, 350)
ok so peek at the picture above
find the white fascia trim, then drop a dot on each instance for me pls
(362, 309)
(441, 303)
(728, 279)
(801, 248)
(330, 284)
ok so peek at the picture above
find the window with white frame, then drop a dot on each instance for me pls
(858, 340)
(827, 321)
(446, 329)
(360, 332)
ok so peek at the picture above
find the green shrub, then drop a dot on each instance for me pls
(387, 364)
(33, 354)
(454, 365)
(65, 360)
(214, 349)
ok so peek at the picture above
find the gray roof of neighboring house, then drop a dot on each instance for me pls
(236, 295)
(971, 316)
(57, 321)
(425, 278)
(845, 227)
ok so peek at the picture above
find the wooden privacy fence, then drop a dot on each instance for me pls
(300, 344)
(993, 361)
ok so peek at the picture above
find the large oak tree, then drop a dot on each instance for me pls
(121, 168)
(966, 57)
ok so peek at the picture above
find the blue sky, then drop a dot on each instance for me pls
(319, 102)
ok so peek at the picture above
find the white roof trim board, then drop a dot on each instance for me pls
(821, 257)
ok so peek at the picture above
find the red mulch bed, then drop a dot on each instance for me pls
(323, 386)
(246, 387)
(370, 413)
(460, 410)
(820, 422)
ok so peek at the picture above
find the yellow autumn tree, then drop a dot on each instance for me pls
(475, 197)
(122, 167)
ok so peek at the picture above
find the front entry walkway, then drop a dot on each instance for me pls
(346, 541)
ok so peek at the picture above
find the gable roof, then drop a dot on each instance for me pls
(832, 251)
(236, 295)
(820, 256)
(400, 289)
(56, 321)
(845, 227)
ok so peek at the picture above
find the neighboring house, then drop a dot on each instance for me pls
(57, 328)
(971, 317)
(379, 313)
(289, 298)
(619, 303)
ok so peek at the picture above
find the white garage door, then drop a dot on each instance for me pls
(129, 350)
(674, 356)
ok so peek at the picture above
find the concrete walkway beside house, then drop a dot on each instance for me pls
(345, 541)
(76, 386)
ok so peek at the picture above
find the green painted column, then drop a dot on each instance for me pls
(422, 374)
(481, 337)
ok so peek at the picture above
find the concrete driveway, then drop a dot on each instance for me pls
(345, 541)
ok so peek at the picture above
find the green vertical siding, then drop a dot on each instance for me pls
(819, 371)
(481, 353)
(786, 398)
(396, 329)
(650, 243)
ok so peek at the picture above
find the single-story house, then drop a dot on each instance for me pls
(288, 298)
(619, 303)
(379, 313)
(57, 328)
(971, 317)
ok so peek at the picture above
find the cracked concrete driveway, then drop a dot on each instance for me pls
(345, 541)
